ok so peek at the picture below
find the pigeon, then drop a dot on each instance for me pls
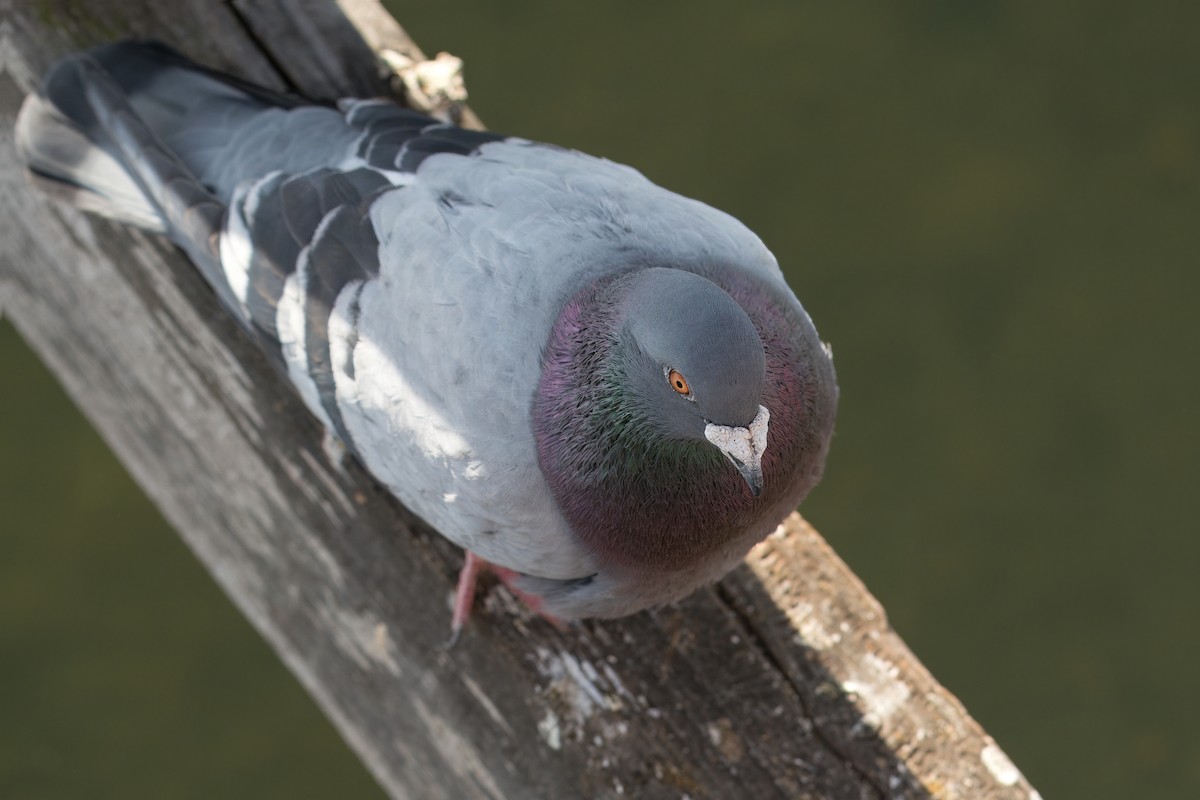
(602, 390)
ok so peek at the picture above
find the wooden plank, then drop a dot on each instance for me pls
(785, 681)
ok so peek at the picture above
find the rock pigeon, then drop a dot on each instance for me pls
(602, 389)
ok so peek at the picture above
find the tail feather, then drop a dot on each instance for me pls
(194, 111)
(98, 127)
(67, 163)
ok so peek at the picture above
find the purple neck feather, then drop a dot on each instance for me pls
(641, 502)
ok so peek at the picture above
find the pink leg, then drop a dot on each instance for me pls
(464, 596)
(509, 578)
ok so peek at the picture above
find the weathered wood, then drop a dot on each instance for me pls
(784, 681)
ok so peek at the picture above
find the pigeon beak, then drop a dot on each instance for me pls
(743, 447)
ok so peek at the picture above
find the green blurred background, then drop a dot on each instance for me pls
(990, 209)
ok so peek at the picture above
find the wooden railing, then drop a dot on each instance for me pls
(783, 681)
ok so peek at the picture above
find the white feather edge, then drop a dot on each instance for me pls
(289, 322)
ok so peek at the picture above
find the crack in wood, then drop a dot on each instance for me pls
(757, 637)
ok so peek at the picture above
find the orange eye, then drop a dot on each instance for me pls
(678, 382)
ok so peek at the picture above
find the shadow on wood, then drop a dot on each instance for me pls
(784, 681)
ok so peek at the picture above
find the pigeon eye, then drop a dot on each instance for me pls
(678, 382)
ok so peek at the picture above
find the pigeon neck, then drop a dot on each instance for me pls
(635, 498)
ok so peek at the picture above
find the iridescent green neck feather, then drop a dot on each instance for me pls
(628, 465)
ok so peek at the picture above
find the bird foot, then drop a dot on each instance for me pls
(464, 595)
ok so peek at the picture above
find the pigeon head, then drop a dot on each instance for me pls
(693, 366)
(680, 415)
